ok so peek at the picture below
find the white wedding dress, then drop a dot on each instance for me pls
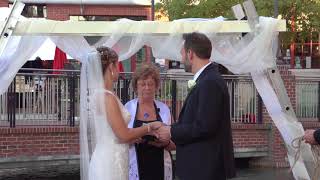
(109, 159)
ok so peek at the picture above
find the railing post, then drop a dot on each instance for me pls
(11, 104)
(260, 113)
(125, 92)
(59, 99)
(72, 98)
(318, 101)
(174, 99)
(232, 95)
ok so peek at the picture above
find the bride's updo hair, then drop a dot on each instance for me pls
(108, 56)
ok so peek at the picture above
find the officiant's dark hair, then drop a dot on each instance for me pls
(199, 43)
(108, 56)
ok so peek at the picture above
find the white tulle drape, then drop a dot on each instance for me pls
(253, 53)
(17, 51)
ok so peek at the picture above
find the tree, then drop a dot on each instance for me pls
(303, 16)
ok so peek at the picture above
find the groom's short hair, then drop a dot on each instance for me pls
(199, 43)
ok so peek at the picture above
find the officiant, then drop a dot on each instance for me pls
(149, 159)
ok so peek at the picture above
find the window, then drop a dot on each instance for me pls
(35, 11)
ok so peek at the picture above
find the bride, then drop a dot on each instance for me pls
(104, 135)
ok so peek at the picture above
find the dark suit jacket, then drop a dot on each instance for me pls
(203, 132)
(316, 135)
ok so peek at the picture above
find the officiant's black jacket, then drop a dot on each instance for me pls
(203, 132)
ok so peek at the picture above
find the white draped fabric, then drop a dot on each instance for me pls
(254, 54)
(17, 52)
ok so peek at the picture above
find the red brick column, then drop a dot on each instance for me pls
(289, 82)
(4, 3)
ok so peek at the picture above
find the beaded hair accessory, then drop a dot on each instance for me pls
(108, 55)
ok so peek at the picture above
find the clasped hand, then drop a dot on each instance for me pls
(160, 130)
(162, 133)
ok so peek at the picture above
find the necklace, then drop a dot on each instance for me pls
(146, 115)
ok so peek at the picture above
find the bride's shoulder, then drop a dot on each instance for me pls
(111, 99)
(110, 96)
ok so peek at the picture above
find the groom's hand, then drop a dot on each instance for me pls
(164, 133)
(309, 137)
(155, 125)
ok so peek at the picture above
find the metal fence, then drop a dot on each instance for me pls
(41, 97)
(308, 98)
(47, 97)
(246, 104)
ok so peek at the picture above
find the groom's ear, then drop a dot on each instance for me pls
(190, 54)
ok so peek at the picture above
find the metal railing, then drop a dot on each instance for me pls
(41, 97)
(51, 97)
(308, 98)
(245, 102)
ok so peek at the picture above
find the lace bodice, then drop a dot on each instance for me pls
(109, 160)
(103, 129)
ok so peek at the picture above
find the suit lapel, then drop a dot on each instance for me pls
(186, 100)
(202, 75)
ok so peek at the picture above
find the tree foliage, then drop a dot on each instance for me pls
(302, 16)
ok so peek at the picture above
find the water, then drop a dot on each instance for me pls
(74, 174)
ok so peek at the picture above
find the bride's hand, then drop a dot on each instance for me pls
(154, 126)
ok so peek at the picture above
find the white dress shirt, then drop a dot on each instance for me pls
(197, 74)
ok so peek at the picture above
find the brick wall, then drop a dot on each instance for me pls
(4, 3)
(38, 141)
(62, 12)
(250, 135)
(289, 82)
(29, 142)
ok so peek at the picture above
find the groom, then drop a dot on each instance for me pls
(203, 132)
